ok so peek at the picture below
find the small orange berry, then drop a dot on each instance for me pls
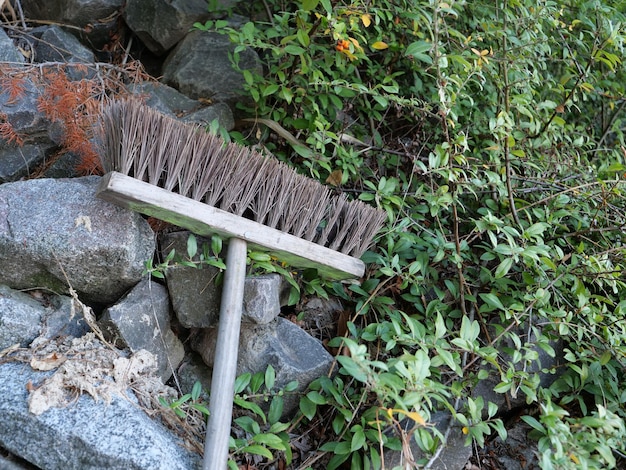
(342, 45)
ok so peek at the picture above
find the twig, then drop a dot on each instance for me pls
(88, 315)
(268, 11)
(607, 128)
(18, 4)
(507, 108)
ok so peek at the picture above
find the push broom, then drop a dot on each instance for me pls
(181, 174)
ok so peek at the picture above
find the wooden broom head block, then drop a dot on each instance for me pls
(205, 220)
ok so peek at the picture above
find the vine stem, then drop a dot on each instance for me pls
(507, 108)
(453, 185)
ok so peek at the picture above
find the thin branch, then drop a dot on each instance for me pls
(504, 71)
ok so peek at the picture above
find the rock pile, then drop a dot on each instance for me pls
(68, 401)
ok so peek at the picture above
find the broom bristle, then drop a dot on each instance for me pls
(139, 141)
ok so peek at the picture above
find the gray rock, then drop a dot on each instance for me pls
(518, 451)
(170, 101)
(294, 354)
(24, 318)
(141, 320)
(50, 229)
(96, 21)
(454, 453)
(17, 162)
(8, 51)
(87, 435)
(200, 67)
(64, 319)
(205, 116)
(36, 132)
(10, 464)
(320, 316)
(195, 296)
(192, 370)
(23, 113)
(20, 318)
(161, 24)
(64, 166)
(200, 309)
(57, 45)
(261, 293)
(261, 298)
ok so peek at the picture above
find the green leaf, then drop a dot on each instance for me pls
(418, 51)
(201, 408)
(492, 301)
(448, 359)
(303, 150)
(358, 438)
(503, 268)
(352, 368)
(270, 440)
(316, 397)
(294, 50)
(532, 422)
(242, 382)
(303, 37)
(257, 381)
(336, 461)
(157, 274)
(308, 408)
(258, 450)
(270, 89)
(536, 229)
(440, 326)
(196, 390)
(232, 465)
(605, 358)
(216, 245)
(259, 256)
(308, 5)
(248, 405)
(248, 424)
(502, 387)
(469, 329)
(248, 77)
(203, 26)
(276, 410)
(291, 386)
(270, 377)
(548, 263)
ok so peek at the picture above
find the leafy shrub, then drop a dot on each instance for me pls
(493, 137)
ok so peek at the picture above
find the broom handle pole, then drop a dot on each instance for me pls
(225, 363)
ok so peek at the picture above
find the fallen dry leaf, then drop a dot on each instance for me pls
(51, 361)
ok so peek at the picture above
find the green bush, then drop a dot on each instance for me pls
(493, 137)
